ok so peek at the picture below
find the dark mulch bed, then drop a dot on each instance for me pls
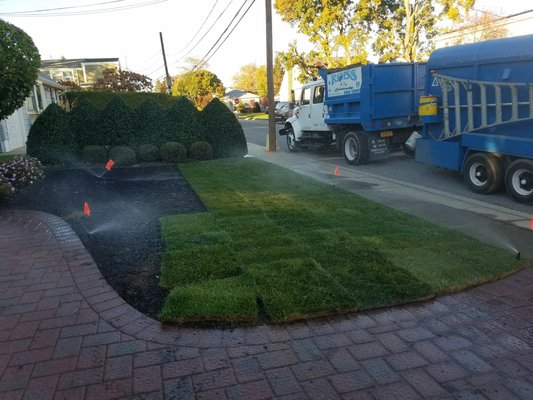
(122, 233)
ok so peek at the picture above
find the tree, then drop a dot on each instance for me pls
(253, 78)
(329, 24)
(70, 85)
(19, 63)
(123, 81)
(199, 86)
(342, 29)
(404, 29)
(478, 27)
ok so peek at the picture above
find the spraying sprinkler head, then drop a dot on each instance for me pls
(517, 255)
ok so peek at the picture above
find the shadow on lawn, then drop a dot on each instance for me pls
(122, 233)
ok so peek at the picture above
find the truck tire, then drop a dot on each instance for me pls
(483, 173)
(291, 139)
(519, 180)
(355, 148)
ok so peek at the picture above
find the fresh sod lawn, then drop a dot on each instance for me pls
(276, 246)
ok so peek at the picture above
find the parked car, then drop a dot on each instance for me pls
(283, 110)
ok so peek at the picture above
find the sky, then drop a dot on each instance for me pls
(131, 32)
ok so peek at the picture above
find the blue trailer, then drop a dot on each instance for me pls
(478, 114)
(366, 110)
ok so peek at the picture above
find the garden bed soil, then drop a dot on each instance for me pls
(122, 232)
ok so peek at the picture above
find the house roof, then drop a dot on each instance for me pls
(240, 94)
(49, 81)
(75, 62)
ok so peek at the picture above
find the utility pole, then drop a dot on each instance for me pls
(270, 80)
(168, 79)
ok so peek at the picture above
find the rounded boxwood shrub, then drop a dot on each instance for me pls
(83, 123)
(115, 124)
(94, 154)
(122, 156)
(183, 123)
(173, 152)
(148, 152)
(149, 124)
(201, 151)
(223, 131)
(50, 139)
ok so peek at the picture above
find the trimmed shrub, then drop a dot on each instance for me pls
(94, 154)
(20, 173)
(223, 131)
(115, 124)
(241, 109)
(50, 138)
(100, 98)
(149, 124)
(183, 123)
(173, 152)
(83, 124)
(201, 151)
(122, 156)
(148, 152)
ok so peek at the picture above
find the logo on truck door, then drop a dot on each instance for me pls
(344, 82)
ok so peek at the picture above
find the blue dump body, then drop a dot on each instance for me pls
(376, 96)
(488, 110)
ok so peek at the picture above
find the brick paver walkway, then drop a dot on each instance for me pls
(65, 334)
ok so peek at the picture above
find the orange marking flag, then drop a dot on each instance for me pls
(337, 171)
(86, 209)
(110, 164)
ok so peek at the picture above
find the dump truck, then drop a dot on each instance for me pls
(477, 114)
(365, 110)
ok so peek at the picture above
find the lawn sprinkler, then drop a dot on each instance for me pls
(517, 255)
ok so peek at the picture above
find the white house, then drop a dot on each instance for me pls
(14, 129)
(291, 87)
(235, 96)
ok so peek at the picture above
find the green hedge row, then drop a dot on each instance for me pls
(59, 136)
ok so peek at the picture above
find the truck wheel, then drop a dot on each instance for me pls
(483, 172)
(291, 139)
(355, 149)
(519, 180)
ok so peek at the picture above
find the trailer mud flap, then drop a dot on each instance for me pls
(378, 148)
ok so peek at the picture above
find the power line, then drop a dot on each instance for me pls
(205, 34)
(199, 29)
(222, 34)
(66, 8)
(87, 12)
(226, 38)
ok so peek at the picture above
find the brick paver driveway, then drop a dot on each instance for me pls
(65, 334)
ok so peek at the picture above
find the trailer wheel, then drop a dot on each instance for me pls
(355, 149)
(483, 172)
(519, 180)
(291, 139)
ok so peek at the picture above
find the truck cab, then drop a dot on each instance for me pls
(306, 128)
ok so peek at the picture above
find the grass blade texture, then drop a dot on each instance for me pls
(277, 246)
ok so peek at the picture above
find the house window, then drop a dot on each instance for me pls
(32, 103)
(68, 76)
